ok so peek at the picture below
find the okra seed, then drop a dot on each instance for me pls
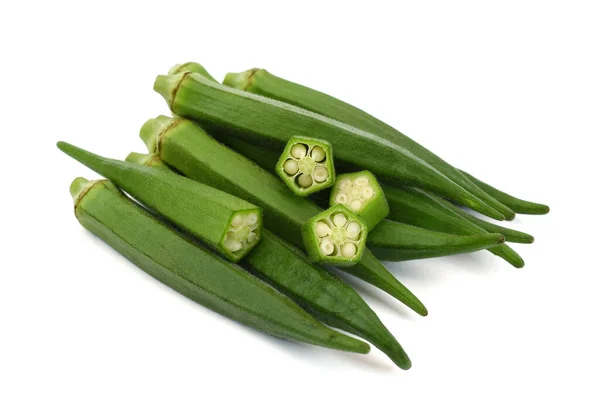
(353, 230)
(237, 220)
(327, 247)
(361, 181)
(251, 237)
(318, 154)
(345, 184)
(339, 219)
(304, 180)
(232, 245)
(348, 250)
(290, 166)
(368, 192)
(341, 198)
(251, 219)
(321, 174)
(298, 151)
(355, 205)
(322, 229)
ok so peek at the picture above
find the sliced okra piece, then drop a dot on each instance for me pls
(360, 193)
(306, 165)
(335, 236)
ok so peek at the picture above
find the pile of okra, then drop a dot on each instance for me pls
(257, 191)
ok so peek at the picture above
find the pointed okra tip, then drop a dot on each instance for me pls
(335, 236)
(306, 165)
(243, 80)
(243, 233)
(154, 129)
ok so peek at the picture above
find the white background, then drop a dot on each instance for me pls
(507, 90)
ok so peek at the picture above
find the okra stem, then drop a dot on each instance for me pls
(249, 115)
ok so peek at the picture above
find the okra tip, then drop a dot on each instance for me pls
(153, 129)
(241, 81)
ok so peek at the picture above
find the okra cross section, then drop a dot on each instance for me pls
(306, 165)
(335, 236)
(360, 193)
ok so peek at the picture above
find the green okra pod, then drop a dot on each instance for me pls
(194, 271)
(306, 165)
(335, 236)
(419, 208)
(227, 223)
(360, 193)
(519, 206)
(409, 210)
(258, 118)
(188, 148)
(326, 297)
(261, 82)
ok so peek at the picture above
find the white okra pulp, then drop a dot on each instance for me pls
(338, 236)
(355, 194)
(306, 164)
(241, 233)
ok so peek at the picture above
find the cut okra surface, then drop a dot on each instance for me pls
(360, 193)
(306, 165)
(335, 236)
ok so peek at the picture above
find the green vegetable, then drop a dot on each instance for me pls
(386, 243)
(360, 193)
(509, 234)
(335, 236)
(518, 205)
(229, 224)
(262, 119)
(186, 147)
(150, 160)
(265, 84)
(194, 271)
(306, 165)
(403, 242)
(326, 297)
(416, 207)
(193, 67)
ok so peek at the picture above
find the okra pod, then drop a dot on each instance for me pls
(518, 205)
(326, 297)
(419, 208)
(360, 193)
(306, 165)
(194, 271)
(193, 67)
(408, 210)
(260, 119)
(263, 83)
(227, 223)
(189, 149)
(335, 236)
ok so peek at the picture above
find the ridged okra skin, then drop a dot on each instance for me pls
(360, 193)
(386, 243)
(335, 236)
(519, 206)
(263, 83)
(194, 271)
(227, 223)
(306, 165)
(262, 119)
(409, 207)
(419, 208)
(326, 297)
(188, 148)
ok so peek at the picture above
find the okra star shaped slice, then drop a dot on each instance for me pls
(306, 165)
(360, 193)
(335, 237)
